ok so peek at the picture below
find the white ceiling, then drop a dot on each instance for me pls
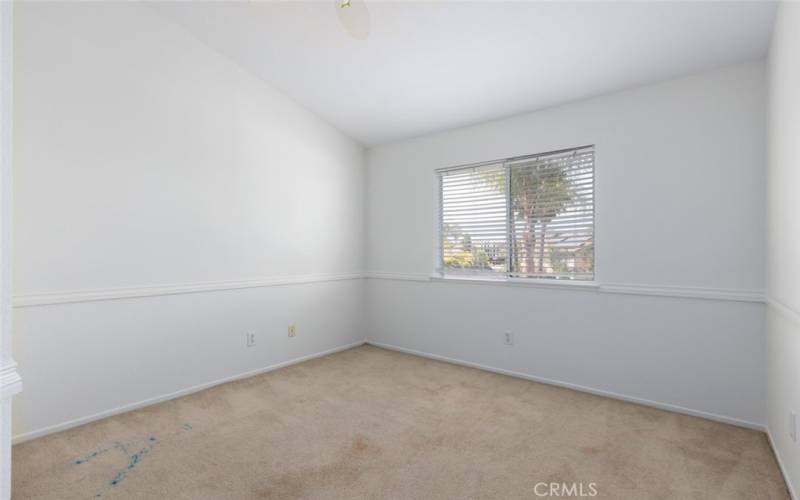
(430, 66)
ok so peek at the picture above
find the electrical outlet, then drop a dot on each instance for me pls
(793, 426)
(251, 339)
(508, 338)
(292, 331)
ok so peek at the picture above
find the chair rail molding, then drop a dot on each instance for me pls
(93, 295)
(10, 381)
(784, 309)
(687, 292)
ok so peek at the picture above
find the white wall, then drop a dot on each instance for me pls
(146, 160)
(680, 210)
(783, 243)
(124, 210)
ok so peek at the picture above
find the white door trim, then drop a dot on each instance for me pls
(10, 382)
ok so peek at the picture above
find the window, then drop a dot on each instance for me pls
(527, 217)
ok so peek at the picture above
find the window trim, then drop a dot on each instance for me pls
(439, 274)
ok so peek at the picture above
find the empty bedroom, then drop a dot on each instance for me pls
(396, 250)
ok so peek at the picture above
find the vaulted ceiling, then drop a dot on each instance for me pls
(383, 71)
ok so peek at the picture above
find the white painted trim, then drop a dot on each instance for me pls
(10, 378)
(27, 436)
(5, 453)
(71, 296)
(93, 295)
(789, 487)
(399, 276)
(785, 310)
(687, 292)
(576, 387)
(522, 282)
(10, 381)
(725, 294)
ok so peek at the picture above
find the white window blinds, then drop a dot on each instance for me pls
(530, 217)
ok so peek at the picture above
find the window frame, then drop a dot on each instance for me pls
(508, 277)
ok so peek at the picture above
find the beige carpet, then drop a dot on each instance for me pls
(370, 423)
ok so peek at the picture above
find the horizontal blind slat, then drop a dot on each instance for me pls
(551, 205)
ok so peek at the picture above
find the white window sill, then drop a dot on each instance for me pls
(520, 282)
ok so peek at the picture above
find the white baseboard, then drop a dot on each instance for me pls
(590, 390)
(27, 436)
(789, 487)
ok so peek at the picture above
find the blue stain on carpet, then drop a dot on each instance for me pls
(133, 459)
(90, 456)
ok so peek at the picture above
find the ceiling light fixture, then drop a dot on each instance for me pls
(353, 16)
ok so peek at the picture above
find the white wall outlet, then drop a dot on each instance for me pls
(508, 338)
(793, 426)
(292, 331)
(251, 339)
